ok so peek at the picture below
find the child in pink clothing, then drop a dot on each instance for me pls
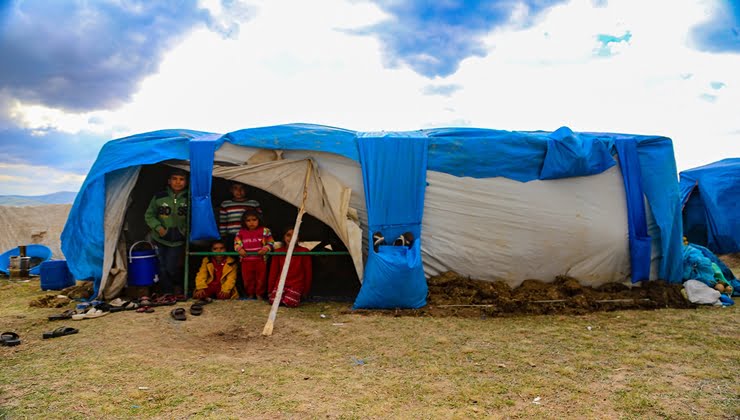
(253, 237)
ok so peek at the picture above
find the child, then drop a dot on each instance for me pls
(299, 276)
(253, 237)
(231, 212)
(216, 277)
(167, 217)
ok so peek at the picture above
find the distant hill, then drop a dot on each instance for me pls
(61, 197)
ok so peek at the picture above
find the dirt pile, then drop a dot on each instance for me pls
(451, 294)
(81, 290)
(50, 301)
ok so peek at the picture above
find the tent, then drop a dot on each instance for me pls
(489, 204)
(711, 213)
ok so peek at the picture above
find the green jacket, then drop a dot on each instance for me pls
(171, 212)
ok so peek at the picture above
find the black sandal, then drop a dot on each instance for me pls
(61, 331)
(178, 314)
(196, 309)
(10, 339)
(64, 315)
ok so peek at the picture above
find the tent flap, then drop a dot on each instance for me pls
(394, 177)
(202, 220)
(639, 239)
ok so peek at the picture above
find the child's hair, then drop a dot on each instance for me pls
(237, 184)
(250, 213)
(288, 228)
(178, 172)
(218, 241)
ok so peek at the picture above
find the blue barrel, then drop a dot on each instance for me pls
(55, 275)
(143, 265)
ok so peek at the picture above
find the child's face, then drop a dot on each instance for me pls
(177, 183)
(218, 247)
(238, 193)
(252, 222)
(288, 236)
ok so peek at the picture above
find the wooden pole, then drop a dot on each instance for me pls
(284, 273)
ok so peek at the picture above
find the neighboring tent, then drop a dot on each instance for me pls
(489, 204)
(711, 211)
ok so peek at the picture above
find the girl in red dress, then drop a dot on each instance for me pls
(253, 237)
(298, 280)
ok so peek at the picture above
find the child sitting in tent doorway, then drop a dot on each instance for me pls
(167, 217)
(299, 276)
(231, 212)
(253, 237)
(216, 277)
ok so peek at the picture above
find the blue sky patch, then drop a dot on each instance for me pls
(721, 33)
(605, 43)
(443, 90)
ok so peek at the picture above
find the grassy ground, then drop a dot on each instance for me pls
(625, 364)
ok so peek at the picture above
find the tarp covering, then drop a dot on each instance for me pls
(709, 195)
(83, 237)
(636, 216)
(394, 176)
(203, 222)
(569, 155)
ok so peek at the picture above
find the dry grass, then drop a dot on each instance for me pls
(625, 364)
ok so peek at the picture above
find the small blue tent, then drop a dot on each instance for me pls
(490, 204)
(711, 210)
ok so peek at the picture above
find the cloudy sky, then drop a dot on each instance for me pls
(77, 73)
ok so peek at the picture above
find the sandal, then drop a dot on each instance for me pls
(92, 313)
(61, 331)
(196, 309)
(145, 309)
(64, 315)
(178, 314)
(10, 339)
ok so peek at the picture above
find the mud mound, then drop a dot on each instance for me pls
(453, 295)
(50, 301)
(82, 290)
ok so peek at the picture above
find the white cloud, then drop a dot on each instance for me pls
(18, 179)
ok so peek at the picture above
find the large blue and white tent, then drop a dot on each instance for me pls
(711, 211)
(489, 204)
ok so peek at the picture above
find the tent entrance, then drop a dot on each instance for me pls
(335, 277)
(695, 219)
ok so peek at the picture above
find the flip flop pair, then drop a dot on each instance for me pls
(10, 339)
(60, 332)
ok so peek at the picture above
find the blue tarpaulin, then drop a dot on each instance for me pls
(636, 218)
(203, 223)
(394, 176)
(711, 209)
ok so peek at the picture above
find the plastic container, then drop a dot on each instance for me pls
(143, 265)
(55, 275)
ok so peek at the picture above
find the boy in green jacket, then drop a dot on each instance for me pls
(167, 217)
